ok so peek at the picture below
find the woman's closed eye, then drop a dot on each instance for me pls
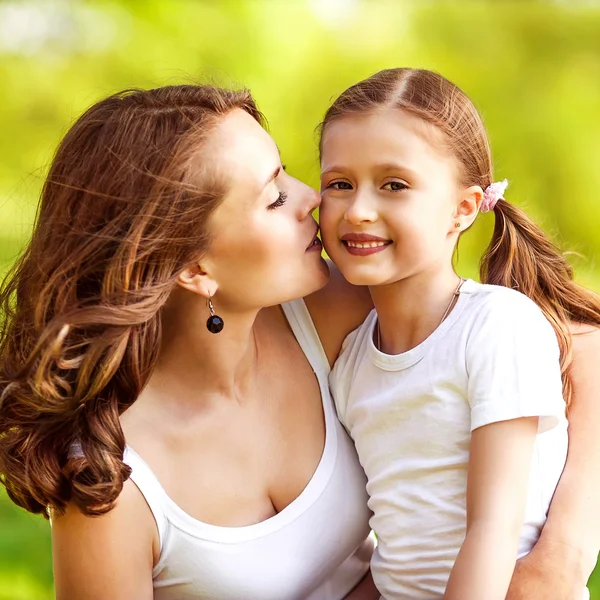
(279, 202)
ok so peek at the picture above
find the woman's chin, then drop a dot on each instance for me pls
(322, 276)
(317, 279)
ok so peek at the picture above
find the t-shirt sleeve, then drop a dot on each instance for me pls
(513, 364)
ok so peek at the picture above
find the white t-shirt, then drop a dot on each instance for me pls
(494, 358)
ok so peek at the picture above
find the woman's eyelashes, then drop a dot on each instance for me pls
(279, 202)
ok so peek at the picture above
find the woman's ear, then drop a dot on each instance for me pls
(195, 279)
(467, 208)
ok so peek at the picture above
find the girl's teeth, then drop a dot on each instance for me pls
(365, 244)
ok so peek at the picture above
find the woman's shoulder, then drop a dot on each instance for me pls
(585, 333)
(585, 341)
(114, 551)
(130, 511)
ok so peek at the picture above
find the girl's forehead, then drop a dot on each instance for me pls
(382, 136)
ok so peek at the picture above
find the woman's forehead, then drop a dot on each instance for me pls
(244, 157)
(243, 147)
(239, 155)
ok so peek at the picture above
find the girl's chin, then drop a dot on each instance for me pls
(358, 276)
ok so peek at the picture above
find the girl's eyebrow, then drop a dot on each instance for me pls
(333, 169)
(387, 166)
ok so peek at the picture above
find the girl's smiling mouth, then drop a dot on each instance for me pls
(362, 244)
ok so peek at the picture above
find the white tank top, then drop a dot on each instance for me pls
(317, 548)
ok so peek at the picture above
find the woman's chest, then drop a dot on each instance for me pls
(248, 458)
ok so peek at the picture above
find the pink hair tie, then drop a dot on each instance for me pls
(492, 194)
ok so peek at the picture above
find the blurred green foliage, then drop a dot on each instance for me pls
(532, 67)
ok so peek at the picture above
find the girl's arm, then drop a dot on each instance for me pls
(561, 562)
(110, 556)
(336, 310)
(514, 391)
(498, 477)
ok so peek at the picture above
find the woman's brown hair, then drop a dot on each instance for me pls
(519, 255)
(123, 210)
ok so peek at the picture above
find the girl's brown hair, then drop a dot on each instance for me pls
(519, 255)
(123, 211)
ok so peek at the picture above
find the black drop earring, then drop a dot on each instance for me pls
(214, 323)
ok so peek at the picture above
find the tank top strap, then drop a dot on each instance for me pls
(149, 486)
(304, 329)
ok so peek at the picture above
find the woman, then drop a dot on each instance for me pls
(160, 205)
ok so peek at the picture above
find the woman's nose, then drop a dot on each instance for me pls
(311, 201)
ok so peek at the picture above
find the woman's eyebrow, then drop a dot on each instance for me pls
(272, 176)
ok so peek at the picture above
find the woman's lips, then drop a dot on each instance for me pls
(316, 245)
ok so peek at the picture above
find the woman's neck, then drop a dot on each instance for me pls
(197, 368)
(411, 309)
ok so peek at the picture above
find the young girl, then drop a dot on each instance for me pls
(451, 389)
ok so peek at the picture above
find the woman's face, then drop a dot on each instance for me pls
(264, 249)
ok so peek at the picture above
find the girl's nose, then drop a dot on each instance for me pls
(360, 210)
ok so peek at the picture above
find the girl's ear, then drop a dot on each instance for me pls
(195, 279)
(467, 208)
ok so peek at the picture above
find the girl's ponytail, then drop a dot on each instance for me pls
(521, 256)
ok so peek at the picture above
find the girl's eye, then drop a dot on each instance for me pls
(279, 202)
(340, 185)
(395, 186)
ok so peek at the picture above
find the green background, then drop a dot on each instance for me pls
(532, 67)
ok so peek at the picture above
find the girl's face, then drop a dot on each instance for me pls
(264, 249)
(389, 197)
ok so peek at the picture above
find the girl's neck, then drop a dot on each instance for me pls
(411, 309)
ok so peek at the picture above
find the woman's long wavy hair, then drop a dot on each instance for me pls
(123, 211)
(519, 255)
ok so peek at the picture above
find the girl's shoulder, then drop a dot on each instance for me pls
(495, 311)
(508, 303)
(488, 292)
